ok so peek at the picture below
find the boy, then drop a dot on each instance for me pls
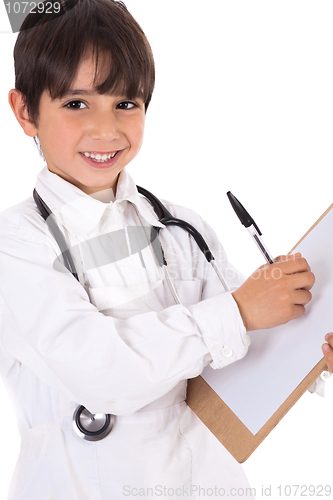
(114, 340)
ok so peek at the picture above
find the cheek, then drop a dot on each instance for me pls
(69, 130)
(59, 133)
(137, 133)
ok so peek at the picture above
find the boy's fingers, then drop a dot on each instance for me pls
(304, 280)
(298, 311)
(292, 266)
(328, 355)
(329, 339)
(289, 266)
(281, 258)
(284, 258)
(302, 297)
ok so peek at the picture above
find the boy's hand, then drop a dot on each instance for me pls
(328, 351)
(275, 293)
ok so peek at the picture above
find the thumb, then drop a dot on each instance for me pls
(284, 258)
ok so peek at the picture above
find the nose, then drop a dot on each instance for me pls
(104, 127)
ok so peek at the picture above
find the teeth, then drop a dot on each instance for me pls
(100, 158)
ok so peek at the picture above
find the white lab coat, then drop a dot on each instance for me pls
(116, 343)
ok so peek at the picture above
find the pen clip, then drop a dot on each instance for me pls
(257, 228)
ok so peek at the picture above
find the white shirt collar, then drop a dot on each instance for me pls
(79, 212)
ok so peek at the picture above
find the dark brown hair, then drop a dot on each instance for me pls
(48, 51)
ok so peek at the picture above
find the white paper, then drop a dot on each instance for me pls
(280, 358)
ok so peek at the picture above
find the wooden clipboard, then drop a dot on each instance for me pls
(223, 422)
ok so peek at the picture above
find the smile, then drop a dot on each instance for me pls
(100, 157)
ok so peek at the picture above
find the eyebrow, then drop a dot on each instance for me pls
(71, 92)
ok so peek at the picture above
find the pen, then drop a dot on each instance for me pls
(250, 225)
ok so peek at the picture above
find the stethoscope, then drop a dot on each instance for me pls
(94, 427)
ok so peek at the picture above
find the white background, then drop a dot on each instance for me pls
(243, 102)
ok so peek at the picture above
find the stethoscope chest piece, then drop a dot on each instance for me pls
(92, 427)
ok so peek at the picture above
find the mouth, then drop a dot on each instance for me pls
(100, 157)
(101, 160)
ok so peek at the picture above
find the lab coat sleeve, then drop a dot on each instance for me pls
(319, 384)
(223, 311)
(49, 325)
(234, 279)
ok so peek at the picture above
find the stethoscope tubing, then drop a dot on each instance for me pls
(81, 414)
(166, 218)
(56, 233)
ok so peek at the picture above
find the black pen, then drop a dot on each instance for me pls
(250, 225)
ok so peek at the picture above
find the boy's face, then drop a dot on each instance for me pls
(85, 123)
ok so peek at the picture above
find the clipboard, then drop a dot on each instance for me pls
(221, 418)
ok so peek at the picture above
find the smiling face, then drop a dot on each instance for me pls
(88, 138)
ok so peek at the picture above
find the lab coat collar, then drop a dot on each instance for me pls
(79, 212)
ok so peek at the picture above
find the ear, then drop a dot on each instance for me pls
(15, 99)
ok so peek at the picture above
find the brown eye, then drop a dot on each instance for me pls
(75, 105)
(127, 105)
